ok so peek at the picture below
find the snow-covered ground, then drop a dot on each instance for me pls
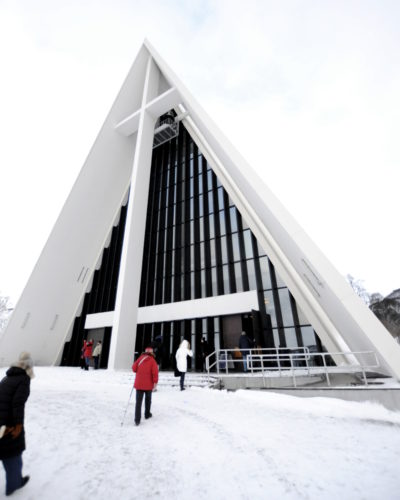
(202, 443)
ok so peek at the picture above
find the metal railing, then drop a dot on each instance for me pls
(283, 362)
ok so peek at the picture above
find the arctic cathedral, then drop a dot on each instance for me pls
(197, 246)
(169, 234)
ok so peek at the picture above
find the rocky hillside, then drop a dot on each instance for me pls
(387, 309)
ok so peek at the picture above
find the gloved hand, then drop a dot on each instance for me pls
(155, 388)
(16, 430)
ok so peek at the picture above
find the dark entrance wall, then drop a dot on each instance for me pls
(231, 330)
(234, 325)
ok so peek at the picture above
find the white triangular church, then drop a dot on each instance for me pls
(168, 233)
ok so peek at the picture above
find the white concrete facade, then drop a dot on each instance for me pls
(222, 305)
(121, 158)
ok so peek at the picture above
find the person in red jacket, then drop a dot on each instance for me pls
(146, 370)
(87, 353)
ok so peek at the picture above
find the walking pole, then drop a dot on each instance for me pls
(126, 409)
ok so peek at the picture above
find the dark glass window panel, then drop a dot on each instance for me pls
(230, 202)
(192, 231)
(210, 202)
(162, 218)
(235, 246)
(265, 274)
(182, 168)
(201, 228)
(248, 246)
(211, 226)
(270, 308)
(220, 197)
(224, 250)
(182, 288)
(203, 283)
(191, 186)
(219, 184)
(291, 338)
(209, 179)
(200, 178)
(202, 256)
(191, 166)
(238, 277)
(286, 308)
(173, 236)
(180, 211)
(222, 225)
(201, 206)
(182, 263)
(191, 216)
(192, 292)
(182, 227)
(251, 275)
(225, 274)
(214, 281)
(212, 252)
(276, 338)
(232, 213)
(309, 339)
(192, 258)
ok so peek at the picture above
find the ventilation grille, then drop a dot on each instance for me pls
(167, 130)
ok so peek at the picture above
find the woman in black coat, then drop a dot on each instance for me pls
(14, 391)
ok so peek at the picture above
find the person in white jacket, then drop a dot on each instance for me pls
(181, 360)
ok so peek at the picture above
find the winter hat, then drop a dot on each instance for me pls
(26, 363)
(148, 349)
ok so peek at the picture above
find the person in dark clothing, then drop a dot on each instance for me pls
(158, 349)
(245, 344)
(146, 370)
(82, 360)
(204, 352)
(14, 391)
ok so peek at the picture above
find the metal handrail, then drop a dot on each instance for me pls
(257, 358)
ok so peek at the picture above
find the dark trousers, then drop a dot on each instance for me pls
(96, 362)
(182, 380)
(13, 468)
(147, 404)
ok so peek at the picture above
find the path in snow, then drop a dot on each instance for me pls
(202, 444)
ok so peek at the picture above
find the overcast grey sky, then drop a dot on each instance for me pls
(307, 91)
